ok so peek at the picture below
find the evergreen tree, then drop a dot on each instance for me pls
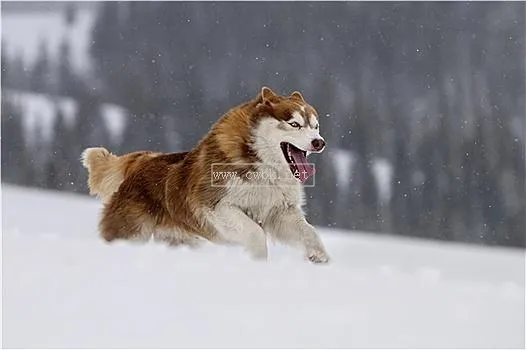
(41, 72)
(4, 65)
(69, 84)
(61, 171)
(14, 161)
(70, 14)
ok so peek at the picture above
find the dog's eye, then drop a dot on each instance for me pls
(295, 125)
(316, 126)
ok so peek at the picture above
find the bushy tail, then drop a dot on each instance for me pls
(105, 175)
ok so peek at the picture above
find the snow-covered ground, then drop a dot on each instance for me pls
(63, 287)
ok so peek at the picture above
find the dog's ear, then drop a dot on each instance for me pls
(297, 95)
(266, 95)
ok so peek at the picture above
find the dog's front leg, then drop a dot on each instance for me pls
(235, 227)
(290, 227)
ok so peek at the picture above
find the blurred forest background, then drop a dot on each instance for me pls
(422, 103)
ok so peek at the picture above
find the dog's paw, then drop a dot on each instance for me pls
(318, 257)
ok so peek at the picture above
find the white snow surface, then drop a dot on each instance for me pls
(64, 288)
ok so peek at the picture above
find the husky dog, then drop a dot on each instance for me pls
(183, 198)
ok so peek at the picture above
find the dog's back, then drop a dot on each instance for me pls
(106, 171)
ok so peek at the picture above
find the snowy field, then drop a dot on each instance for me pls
(63, 287)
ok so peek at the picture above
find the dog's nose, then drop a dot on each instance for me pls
(318, 144)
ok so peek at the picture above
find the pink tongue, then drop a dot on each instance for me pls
(305, 170)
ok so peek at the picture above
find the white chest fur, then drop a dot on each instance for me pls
(258, 199)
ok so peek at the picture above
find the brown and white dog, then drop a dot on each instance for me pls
(182, 198)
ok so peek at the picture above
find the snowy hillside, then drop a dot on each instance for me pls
(39, 112)
(24, 31)
(63, 287)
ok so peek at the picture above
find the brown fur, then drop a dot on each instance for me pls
(107, 171)
(167, 195)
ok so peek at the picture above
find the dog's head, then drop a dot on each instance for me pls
(287, 130)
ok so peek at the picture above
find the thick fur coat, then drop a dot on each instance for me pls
(182, 198)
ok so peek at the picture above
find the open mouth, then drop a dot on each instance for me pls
(297, 160)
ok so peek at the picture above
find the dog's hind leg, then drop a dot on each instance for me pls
(120, 220)
(114, 227)
(235, 227)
